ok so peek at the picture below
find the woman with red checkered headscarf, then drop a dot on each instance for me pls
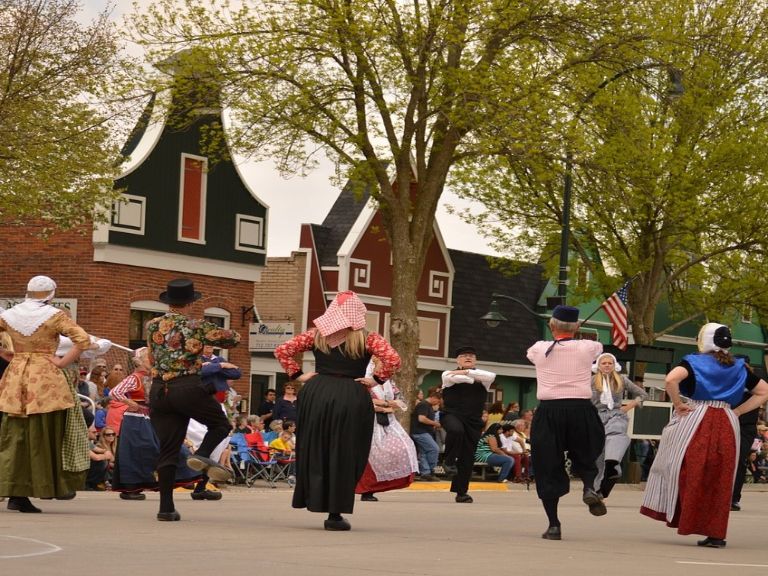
(335, 411)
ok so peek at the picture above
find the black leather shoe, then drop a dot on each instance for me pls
(337, 525)
(133, 496)
(712, 542)
(169, 516)
(552, 533)
(450, 471)
(464, 498)
(368, 498)
(22, 504)
(735, 507)
(595, 503)
(206, 495)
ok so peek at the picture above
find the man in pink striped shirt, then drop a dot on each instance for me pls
(565, 420)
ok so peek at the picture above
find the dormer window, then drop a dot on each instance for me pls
(192, 192)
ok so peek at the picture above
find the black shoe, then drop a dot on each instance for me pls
(464, 498)
(169, 516)
(133, 496)
(340, 525)
(206, 495)
(368, 497)
(552, 533)
(735, 507)
(712, 542)
(595, 503)
(450, 471)
(430, 478)
(22, 504)
(210, 468)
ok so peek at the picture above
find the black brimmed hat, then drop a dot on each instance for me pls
(180, 291)
(465, 350)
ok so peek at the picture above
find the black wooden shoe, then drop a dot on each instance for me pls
(368, 497)
(22, 504)
(169, 516)
(552, 533)
(340, 525)
(206, 495)
(712, 542)
(133, 496)
(464, 499)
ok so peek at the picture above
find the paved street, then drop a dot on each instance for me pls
(255, 531)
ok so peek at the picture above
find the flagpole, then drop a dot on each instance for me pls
(596, 310)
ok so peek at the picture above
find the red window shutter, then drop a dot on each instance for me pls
(191, 209)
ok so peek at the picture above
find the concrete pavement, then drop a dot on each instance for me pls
(254, 531)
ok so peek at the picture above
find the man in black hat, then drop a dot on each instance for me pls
(566, 419)
(176, 346)
(465, 391)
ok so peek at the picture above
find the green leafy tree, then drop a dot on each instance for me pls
(394, 92)
(668, 187)
(58, 116)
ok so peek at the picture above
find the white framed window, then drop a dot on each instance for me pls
(361, 272)
(429, 333)
(249, 233)
(129, 214)
(372, 321)
(192, 194)
(438, 281)
(142, 311)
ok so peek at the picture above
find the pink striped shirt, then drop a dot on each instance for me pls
(567, 371)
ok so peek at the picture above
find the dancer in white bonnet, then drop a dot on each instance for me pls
(39, 459)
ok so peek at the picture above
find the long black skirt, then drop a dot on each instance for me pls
(333, 439)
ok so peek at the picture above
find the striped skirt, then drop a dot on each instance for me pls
(691, 480)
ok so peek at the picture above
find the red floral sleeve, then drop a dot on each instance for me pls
(390, 359)
(286, 351)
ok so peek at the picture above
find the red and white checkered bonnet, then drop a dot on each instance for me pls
(346, 312)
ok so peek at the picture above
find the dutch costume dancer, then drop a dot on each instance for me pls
(609, 388)
(565, 418)
(392, 462)
(464, 393)
(43, 436)
(691, 480)
(178, 394)
(335, 420)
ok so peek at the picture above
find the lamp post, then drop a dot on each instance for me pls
(676, 89)
(494, 317)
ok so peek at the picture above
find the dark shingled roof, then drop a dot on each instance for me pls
(138, 130)
(473, 284)
(339, 221)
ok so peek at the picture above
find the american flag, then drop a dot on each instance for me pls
(616, 309)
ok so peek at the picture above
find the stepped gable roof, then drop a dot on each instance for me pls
(473, 285)
(334, 230)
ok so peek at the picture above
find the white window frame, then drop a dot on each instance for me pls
(239, 219)
(362, 264)
(433, 275)
(203, 197)
(131, 199)
(422, 345)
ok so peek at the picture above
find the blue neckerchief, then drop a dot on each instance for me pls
(552, 346)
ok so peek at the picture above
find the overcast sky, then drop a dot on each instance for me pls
(298, 200)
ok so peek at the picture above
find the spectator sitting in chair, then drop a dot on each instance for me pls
(99, 456)
(275, 427)
(490, 451)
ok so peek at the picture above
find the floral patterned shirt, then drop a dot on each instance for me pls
(176, 343)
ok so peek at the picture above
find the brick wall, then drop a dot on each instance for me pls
(104, 291)
(279, 297)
